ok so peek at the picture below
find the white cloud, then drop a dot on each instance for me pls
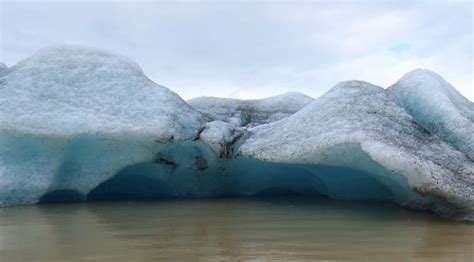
(248, 49)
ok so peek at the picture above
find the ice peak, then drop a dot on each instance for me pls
(354, 87)
(421, 72)
(294, 94)
(423, 78)
(73, 57)
(438, 107)
(71, 89)
(72, 51)
(427, 83)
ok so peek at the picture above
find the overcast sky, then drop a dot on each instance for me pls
(249, 50)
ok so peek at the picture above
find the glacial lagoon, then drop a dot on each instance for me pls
(231, 229)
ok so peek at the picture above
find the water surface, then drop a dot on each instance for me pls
(281, 229)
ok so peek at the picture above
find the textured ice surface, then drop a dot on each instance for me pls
(72, 117)
(81, 124)
(221, 137)
(3, 69)
(438, 107)
(232, 117)
(251, 112)
(355, 122)
(69, 90)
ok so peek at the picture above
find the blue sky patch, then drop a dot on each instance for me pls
(399, 48)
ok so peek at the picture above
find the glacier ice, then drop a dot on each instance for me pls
(71, 90)
(251, 112)
(221, 136)
(438, 107)
(72, 117)
(3, 69)
(233, 117)
(356, 122)
(82, 124)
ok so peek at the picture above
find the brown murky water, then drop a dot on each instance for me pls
(283, 229)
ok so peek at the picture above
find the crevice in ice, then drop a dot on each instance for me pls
(231, 146)
(222, 137)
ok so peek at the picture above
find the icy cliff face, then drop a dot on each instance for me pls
(438, 107)
(80, 124)
(72, 117)
(251, 112)
(361, 126)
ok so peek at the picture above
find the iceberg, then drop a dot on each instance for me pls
(81, 124)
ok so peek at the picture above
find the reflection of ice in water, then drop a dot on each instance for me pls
(246, 229)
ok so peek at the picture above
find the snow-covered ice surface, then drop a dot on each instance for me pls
(438, 107)
(72, 117)
(70, 90)
(360, 126)
(251, 112)
(83, 124)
